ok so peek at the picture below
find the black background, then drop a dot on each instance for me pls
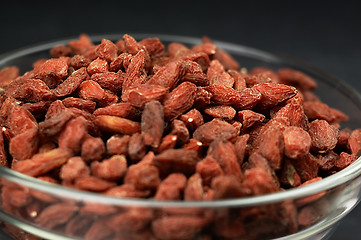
(326, 34)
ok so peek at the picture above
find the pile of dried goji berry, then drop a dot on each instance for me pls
(141, 120)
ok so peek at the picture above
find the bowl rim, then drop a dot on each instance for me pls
(325, 184)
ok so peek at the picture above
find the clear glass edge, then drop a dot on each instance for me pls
(33, 229)
(339, 178)
(47, 234)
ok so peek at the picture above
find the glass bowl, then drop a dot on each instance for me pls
(73, 214)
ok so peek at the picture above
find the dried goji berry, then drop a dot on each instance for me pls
(225, 154)
(73, 134)
(240, 146)
(259, 181)
(43, 162)
(152, 123)
(143, 177)
(56, 214)
(306, 166)
(297, 142)
(323, 135)
(121, 62)
(97, 66)
(139, 95)
(53, 66)
(168, 142)
(248, 98)
(20, 120)
(93, 184)
(109, 80)
(208, 169)
(296, 78)
(82, 104)
(61, 51)
(177, 227)
(354, 142)
(8, 74)
(295, 114)
(53, 125)
(227, 61)
(176, 49)
(180, 130)
(273, 93)
(78, 225)
(127, 190)
(256, 160)
(107, 50)
(92, 149)
(318, 110)
(171, 187)
(214, 129)
(110, 169)
(91, 90)
(37, 109)
(176, 160)
(271, 146)
(289, 176)
(206, 47)
(194, 74)
(327, 160)
(124, 110)
(202, 98)
(222, 111)
(249, 117)
(79, 61)
(345, 160)
(109, 99)
(117, 124)
(131, 221)
(118, 145)
(153, 45)
(74, 168)
(131, 45)
(169, 75)
(179, 100)
(223, 95)
(228, 187)
(192, 119)
(136, 147)
(253, 79)
(239, 81)
(81, 44)
(216, 74)
(24, 145)
(134, 70)
(71, 83)
(29, 90)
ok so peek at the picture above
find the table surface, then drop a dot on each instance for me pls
(327, 36)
